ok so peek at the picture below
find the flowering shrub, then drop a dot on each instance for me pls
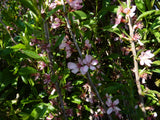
(74, 59)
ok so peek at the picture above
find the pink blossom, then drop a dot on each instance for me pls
(144, 77)
(130, 12)
(56, 23)
(87, 44)
(75, 4)
(73, 67)
(138, 25)
(145, 58)
(84, 69)
(90, 62)
(66, 46)
(52, 5)
(36, 75)
(108, 96)
(120, 10)
(47, 78)
(84, 65)
(68, 86)
(117, 21)
(41, 65)
(50, 117)
(137, 37)
(112, 106)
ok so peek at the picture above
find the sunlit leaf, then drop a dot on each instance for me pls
(140, 5)
(32, 54)
(79, 14)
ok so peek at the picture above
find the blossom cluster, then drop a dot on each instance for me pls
(83, 65)
(145, 56)
(67, 46)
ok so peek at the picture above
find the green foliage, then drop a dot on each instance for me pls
(141, 5)
(30, 90)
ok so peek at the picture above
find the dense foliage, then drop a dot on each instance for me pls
(74, 59)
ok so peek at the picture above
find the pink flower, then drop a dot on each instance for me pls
(47, 78)
(117, 21)
(90, 62)
(84, 69)
(108, 96)
(52, 5)
(66, 45)
(36, 75)
(87, 44)
(120, 10)
(138, 25)
(75, 4)
(144, 77)
(130, 12)
(112, 106)
(50, 117)
(145, 58)
(137, 37)
(68, 86)
(83, 65)
(41, 65)
(56, 23)
(73, 67)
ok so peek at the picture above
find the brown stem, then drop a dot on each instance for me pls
(80, 54)
(50, 55)
(136, 67)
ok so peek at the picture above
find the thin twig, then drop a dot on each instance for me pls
(80, 54)
(50, 55)
(136, 67)
(12, 39)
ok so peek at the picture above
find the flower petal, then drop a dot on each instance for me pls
(72, 65)
(110, 110)
(108, 102)
(84, 69)
(92, 67)
(116, 102)
(94, 62)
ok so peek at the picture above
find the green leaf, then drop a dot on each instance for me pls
(140, 5)
(156, 62)
(156, 52)
(145, 14)
(18, 47)
(110, 29)
(32, 54)
(79, 14)
(156, 23)
(87, 108)
(24, 80)
(76, 100)
(30, 5)
(148, 4)
(156, 34)
(39, 111)
(27, 71)
(156, 70)
(157, 82)
(59, 41)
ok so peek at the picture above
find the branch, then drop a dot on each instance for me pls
(12, 39)
(138, 84)
(50, 55)
(80, 54)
